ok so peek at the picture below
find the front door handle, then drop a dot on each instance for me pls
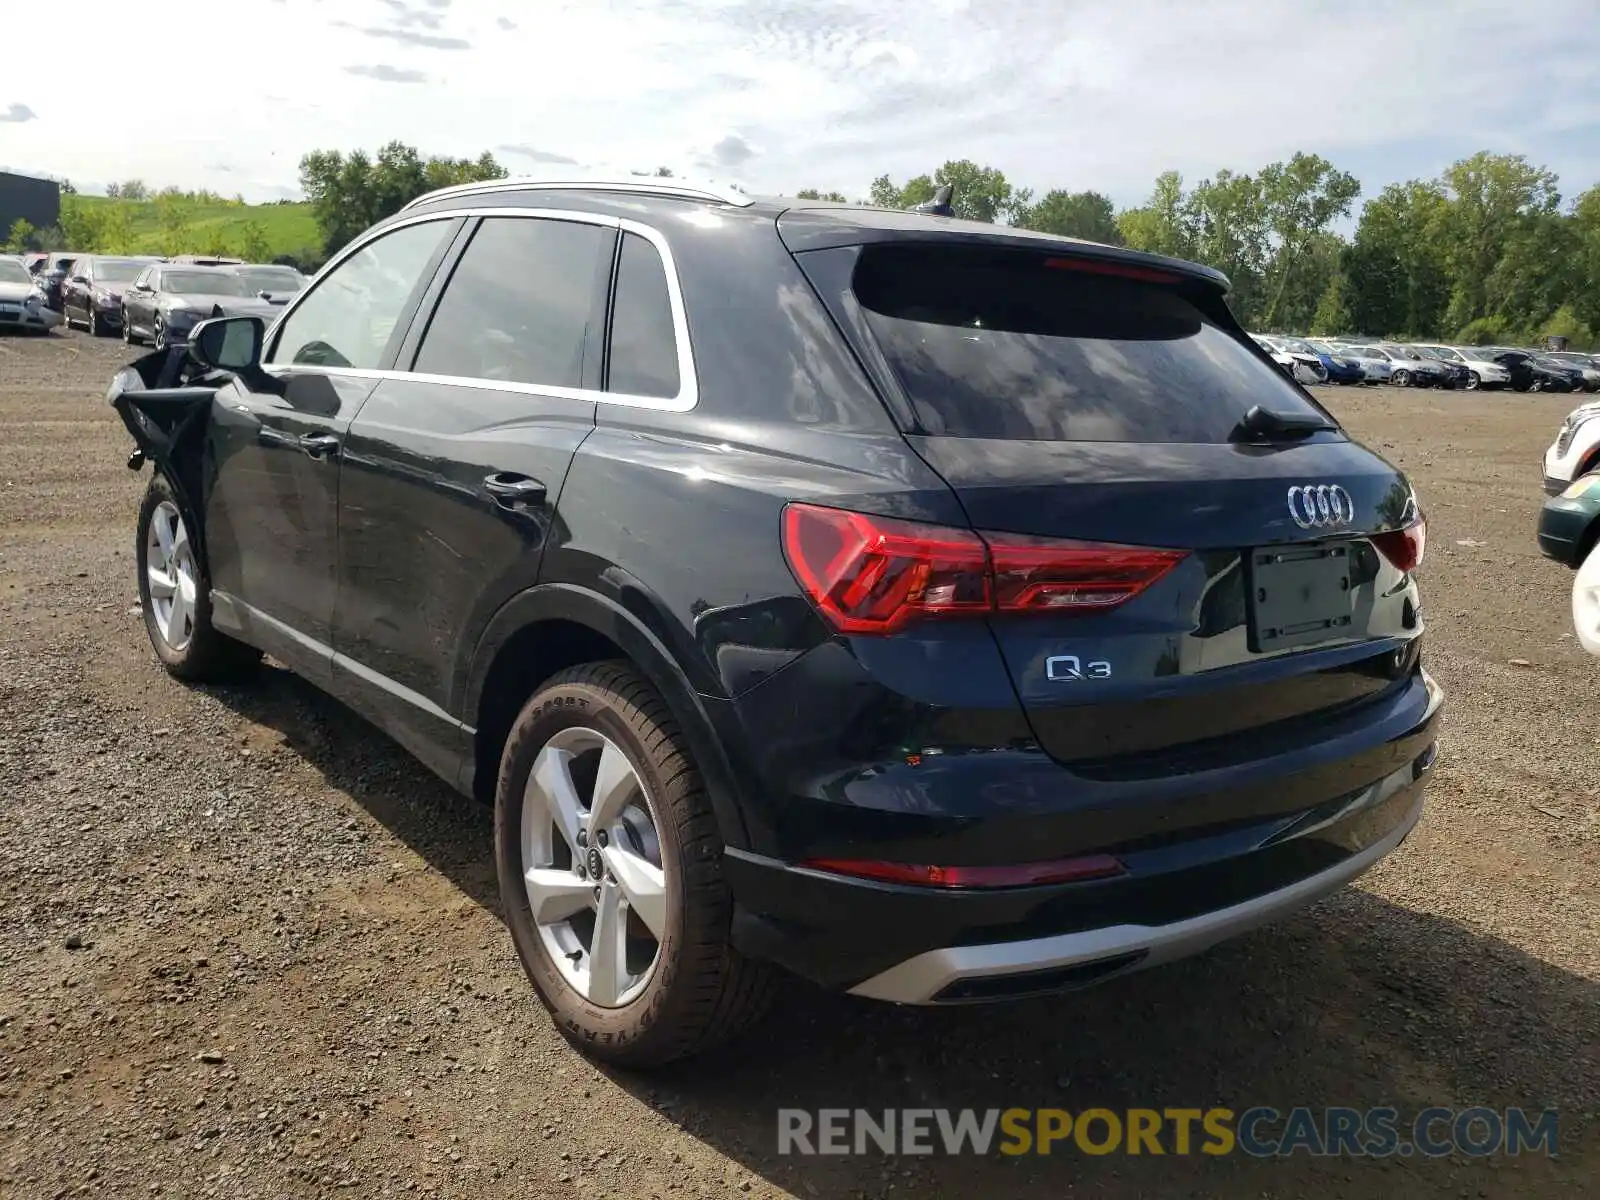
(319, 445)
(511, 490)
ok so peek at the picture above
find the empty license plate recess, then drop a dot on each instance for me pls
(1299, 594)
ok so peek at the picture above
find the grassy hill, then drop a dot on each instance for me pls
(200, 225)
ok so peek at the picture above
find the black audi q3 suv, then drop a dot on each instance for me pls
(940, 611)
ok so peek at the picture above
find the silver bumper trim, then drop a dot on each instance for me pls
(918, 980)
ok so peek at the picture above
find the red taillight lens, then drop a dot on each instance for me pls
(874, 575)
(1404, 547)
(1066, 870)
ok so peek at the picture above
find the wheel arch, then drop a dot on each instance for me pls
(550, 627)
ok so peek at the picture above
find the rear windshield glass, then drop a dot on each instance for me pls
(1002, 346)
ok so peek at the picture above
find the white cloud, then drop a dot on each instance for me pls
(829, 93)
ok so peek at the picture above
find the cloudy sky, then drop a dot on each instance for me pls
(784, 94)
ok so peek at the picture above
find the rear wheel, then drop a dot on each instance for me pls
(176, 598)
(610, 873)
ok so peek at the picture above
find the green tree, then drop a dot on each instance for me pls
(1565, 323)
(22, 232)
(1333, 311)
(1300, 198)
(1490, 197)
(253, 244)
(82, 225)
(814, 194)
(174, 215)
(1161, 224)
(116, 233)
(980, 193)
(1227, 214)
(349, 193)
(1087, 215)
(1398, 265)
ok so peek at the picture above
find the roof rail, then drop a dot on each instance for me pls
(649, 185)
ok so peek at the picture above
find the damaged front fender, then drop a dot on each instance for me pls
(164, 399)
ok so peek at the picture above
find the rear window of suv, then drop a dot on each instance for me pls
(1004, 345)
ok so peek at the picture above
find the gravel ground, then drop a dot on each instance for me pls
(248, 948)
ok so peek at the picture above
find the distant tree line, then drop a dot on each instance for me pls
(1486, 252)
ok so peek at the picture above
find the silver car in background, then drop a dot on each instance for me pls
(1375, 364)
(22, 305)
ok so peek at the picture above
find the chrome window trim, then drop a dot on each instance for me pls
(644, 186)
(688, 382)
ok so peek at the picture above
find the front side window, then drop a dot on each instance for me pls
(348, 319)
(644, 349)
(115, 270)
(518, 305)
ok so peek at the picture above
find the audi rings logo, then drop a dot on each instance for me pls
(1321, 506)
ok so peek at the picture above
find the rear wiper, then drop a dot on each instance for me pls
(1264, 425)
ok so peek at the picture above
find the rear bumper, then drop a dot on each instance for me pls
(1004, 969)
(1183, 890)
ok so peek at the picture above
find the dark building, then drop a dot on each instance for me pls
(37, 201)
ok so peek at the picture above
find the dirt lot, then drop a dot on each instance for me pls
(249, 949)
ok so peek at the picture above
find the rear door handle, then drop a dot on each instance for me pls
(511, 490)
(319, 445)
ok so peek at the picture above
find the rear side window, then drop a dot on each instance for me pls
(1002, 345)
(518, 305)
(644, 349)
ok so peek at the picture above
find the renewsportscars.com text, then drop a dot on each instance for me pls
(1260, 1132)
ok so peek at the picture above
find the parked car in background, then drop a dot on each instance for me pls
(167, 300)
(269, 282)
(1457, 375)
(1376, 366)
(22, 306)
(1304, 368)
(1336, 367)
(206, 260)
(1583, 362)
(1425, 370)
(92, 294)
(1569, 532)
(926, 690)
(52, 274)
(1481, 368)
(1554, 375)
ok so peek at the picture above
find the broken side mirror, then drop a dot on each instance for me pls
(228, 343)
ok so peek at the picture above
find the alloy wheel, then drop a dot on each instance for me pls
(171, 575)
(592, 866)
(1402, 379)
(161, 334)
(1473, 381)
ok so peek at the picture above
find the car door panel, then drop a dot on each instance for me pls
(452, 471)
(271, 518)
(430, 547)
(275, 441)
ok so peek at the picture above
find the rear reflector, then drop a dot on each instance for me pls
(1066, 870)
(874, 575)
(1404, 547)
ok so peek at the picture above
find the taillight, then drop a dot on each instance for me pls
(1404, 547)
(1066, 870)
(874, 575)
